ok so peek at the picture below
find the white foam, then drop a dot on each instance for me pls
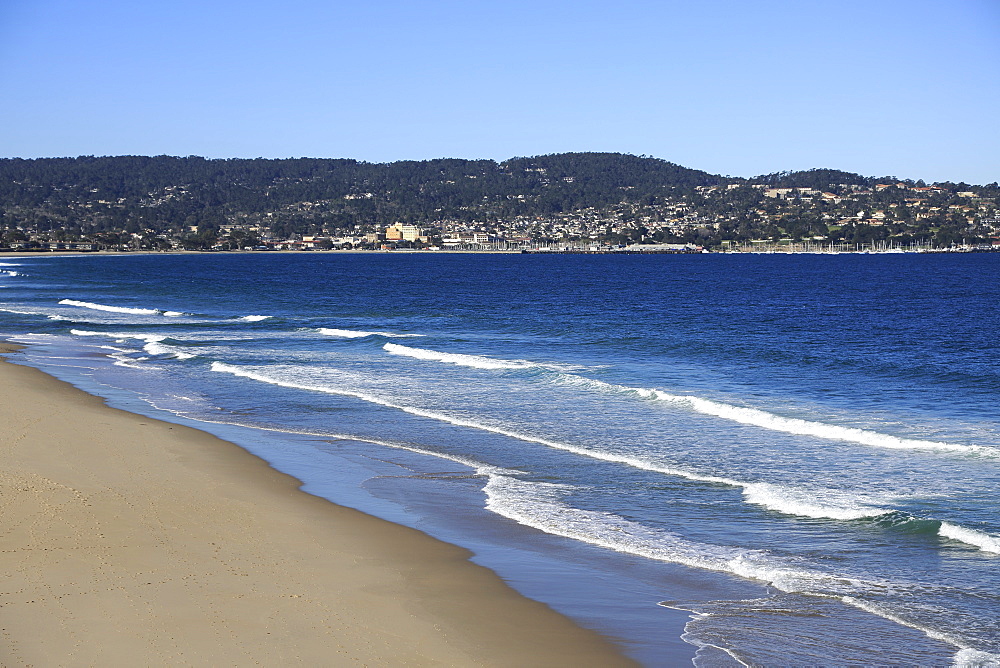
(539, 505)
(765, 420)
(174, 314)
(359, 334)
(972, 658)
(10, 310)
(153, 342)
(966, 657)
(479, 467)
(10, 273)
(815, 503)
(804, 502)
(110, 309)
(759, 418)
(474, 361)
(982, 540)
(123, 359)
(254, 318)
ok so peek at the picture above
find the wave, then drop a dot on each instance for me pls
(254, 318)
(474, 361)
(973, 658)
(120, 309)
(11, 310)
(540, 506)
(814, 502)
(834, 504)
(748, 416)
(358, 334)
(7, 272)
(766, 420)
(967, 657)
(479, 467)
(153, 342)
(982, 540)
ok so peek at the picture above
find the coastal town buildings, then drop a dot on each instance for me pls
(542, 211)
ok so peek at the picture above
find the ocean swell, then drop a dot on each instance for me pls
(359, 334)
(766, 420)
(813, 502)
(119, 309)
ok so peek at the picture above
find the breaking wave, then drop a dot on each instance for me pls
(120, 309)
(982, 540)
(474, 361)
(254, 318)
(815, 503)
(11, 310)
(357, 334)
(153, 343)
(765, 420)
(540, 506)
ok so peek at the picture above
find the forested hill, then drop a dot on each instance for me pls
(163, 192)
(610, 198)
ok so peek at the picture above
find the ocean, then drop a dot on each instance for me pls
(719, 459)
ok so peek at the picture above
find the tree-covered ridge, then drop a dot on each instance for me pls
(162, 201)
(162, 191)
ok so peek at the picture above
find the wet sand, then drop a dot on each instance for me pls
(129, 541)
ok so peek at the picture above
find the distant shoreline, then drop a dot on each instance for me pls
(70, 253)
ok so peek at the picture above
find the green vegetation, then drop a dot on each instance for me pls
(168, 202)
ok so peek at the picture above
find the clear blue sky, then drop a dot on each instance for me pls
(909, 88)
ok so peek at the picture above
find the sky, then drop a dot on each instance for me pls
(907, 88)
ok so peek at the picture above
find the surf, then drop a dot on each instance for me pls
(762, 419)
(153, 343)
(119, 309)
(360, 334)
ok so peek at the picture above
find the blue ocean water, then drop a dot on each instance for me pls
(737, 460)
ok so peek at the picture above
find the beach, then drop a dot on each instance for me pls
(130, 541)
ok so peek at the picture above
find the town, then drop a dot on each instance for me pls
(583, 203)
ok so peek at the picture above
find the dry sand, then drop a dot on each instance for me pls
(128, 541)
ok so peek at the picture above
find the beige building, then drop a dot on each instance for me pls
(399, 232)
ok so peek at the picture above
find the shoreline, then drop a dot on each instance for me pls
(413, 251)
(135, 541)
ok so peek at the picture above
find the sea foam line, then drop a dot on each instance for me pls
(748, 416)
(253, 318)
(474, 361)
(765, 420)
(120, 309)
(480, 468)
(539, 505)
(10, 310)
(980, 539)
(967, 657)
(359, 334)
(838, 505)
(153, 342)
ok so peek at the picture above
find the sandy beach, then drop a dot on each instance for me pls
(128, 541)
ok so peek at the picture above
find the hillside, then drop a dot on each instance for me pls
(164, 201)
